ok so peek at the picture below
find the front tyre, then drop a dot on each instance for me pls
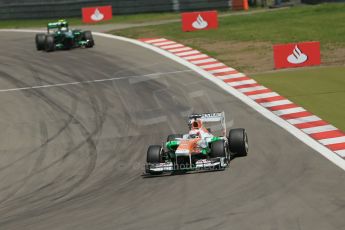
(49, 44)
(218, 149)
(40, 41)
(238, 142)
(154, 156)
(88, 37)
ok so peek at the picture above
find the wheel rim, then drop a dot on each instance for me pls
(246, 145)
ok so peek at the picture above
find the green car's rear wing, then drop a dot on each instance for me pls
(57, 25)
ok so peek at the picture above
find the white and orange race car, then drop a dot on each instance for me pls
(199, 149)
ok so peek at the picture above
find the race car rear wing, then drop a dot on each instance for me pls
(210, 117)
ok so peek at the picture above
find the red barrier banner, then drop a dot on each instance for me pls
(203, 20)
(296, 54)
(96, 14)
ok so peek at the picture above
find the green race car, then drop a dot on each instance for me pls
(59, 37)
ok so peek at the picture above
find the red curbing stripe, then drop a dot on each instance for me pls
(311, 124)
(257, 91)
(296, 115)
(207, 63)
(225, 73)
(336, 147)
(198, 58)
(147, 39)
(236, 79)
(280, 107)
(246, 86)
(186, 55)
(270, 99)
(215, 68)
(327, 134)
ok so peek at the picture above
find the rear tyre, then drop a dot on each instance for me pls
(172, 137)
(88, 37)
(40, 41)
(49, 44)
(238, 143)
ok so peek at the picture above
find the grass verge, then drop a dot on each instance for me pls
(320, 90)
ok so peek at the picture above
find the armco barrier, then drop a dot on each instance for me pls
(35, 9)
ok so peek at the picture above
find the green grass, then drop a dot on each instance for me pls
(134, 18)
(320, 90)
(324, 22)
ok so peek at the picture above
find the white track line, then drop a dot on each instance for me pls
(137, 77)
(323, 150)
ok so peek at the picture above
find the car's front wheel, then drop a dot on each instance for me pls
(49, 44)
(88, 37)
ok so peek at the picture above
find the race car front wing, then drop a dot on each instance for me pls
(204, 165)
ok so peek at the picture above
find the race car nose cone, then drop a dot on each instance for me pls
(182, 152)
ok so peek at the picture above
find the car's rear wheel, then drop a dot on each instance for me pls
(40, 41)
(49, 44)
(238, 143)
(88, 37)
(172, 137)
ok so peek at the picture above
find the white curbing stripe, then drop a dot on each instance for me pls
(156, 40)
(323, 150)
(230, 76)
(276, 103)
(251, 89)
(288, 111)
(188, 53)
(302, 120)
(164, 43)
(341, 152)
(212, 65)
(204, 61)
(238, 83)
(319, 129)
(221, 70)
(172, 46)
(179, 49)
(195, 57)
(334, 140)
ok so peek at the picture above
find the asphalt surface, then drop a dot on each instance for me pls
(72, 154)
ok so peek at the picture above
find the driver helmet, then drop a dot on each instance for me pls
(196, 124)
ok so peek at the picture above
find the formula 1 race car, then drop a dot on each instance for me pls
(199, 149)
(59, 36)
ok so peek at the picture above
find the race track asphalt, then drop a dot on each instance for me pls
(71, 155)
